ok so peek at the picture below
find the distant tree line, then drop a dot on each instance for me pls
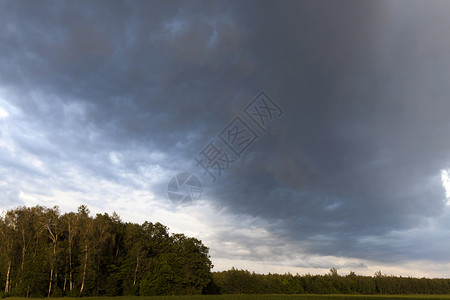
(46, 253)
(243, 282)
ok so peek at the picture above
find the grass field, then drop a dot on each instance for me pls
(266, 297)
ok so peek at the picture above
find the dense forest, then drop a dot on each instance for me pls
(46, 253)
(243, 282)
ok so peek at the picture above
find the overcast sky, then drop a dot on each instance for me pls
(103, 102)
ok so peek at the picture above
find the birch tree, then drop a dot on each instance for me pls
(51, 223)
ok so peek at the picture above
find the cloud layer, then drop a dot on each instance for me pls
(103, 102)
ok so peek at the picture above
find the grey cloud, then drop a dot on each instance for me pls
(364, 87)
(365, 124)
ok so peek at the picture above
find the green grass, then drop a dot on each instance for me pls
(265, 297)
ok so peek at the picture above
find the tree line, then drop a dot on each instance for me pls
(243, 282)
(46, 253)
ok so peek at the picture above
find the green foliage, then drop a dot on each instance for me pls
(243, 282)
(44, 253)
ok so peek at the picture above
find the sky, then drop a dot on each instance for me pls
(317, 132)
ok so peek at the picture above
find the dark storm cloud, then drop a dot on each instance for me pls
(364, 86)
(365, 135)
(138, 75)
